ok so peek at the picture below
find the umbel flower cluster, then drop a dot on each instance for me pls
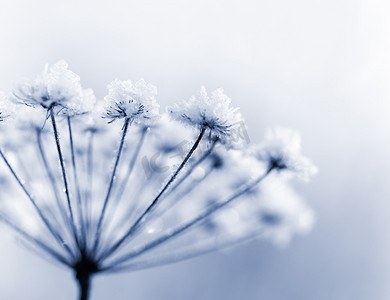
(115, 185)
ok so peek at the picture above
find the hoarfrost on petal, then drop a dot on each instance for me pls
(56, 86)
(281, 150)
(213, 112)
(137, 102)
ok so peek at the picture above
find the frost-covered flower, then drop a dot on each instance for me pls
(137, 102)
(212, 112)
(281, 150)
(80, 105)
(56, 86)
(135, 197)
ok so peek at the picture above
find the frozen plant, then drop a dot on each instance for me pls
(111, 186)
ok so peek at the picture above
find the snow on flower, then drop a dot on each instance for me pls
(281, 150)
(137, 102)
(212, 112)
(57, 86)
(130, 190)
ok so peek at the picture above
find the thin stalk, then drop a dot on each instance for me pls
(62, 165)
(132, 209)
(123, 185)
(88, 193)
(53, 253)
(155, 201)
(22, 166)
(77, 185)
(175, 233)
(99, 224)
(193, 166)
(192, 185)
(48, 225)
(198, 250)
(51, 178)
(127, 176)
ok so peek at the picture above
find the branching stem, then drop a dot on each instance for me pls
(47, 223)
(77, 185)
(170, 235)
(141, 218)
(99, 224)
(62, 165)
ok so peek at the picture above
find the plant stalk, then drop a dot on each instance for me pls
(83, 278)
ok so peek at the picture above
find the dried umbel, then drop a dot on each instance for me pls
(100, 196)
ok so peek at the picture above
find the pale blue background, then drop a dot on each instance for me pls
(321, 67)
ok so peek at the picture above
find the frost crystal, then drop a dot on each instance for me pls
(57, 86)
(136, 102)
(211, 112)
(281, 150)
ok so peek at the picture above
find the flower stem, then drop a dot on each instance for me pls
(83, 278)
(141, 218)
(181, 229)
(88, 192)
(44, 219)
(52, 252)
(52, 181)
(123, 185)
(99, 225)
(181, 255)
(57, 140)
(193, 167)
(77, 185)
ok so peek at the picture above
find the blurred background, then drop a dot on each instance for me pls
(320, 67)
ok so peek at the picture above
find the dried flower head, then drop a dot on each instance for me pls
(212, 112)
(135, 102)
(57, 86)
(138, 196)
(281, 151)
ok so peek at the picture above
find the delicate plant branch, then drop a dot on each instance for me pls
(131, 165)
(99, 224)
(193, 185)
(62, 165)
(182, 255)
(176, 232)
(155, 200)
(77, 186)
(196, 164)
(49, 226)
(35, 241)
(89, 183)
(50, 176)
(186, 191)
